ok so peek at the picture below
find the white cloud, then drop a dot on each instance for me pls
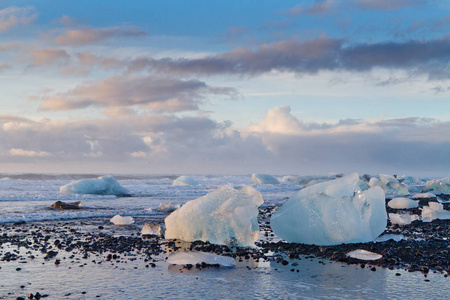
(13, 16)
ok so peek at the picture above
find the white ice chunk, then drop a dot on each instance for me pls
(151, 228)
(307, 180)
(402, 219)
(331, 213)
(225, 216)
(264, 179)
(439, 186)
(194, 257)
(168, 207)
(403, 203)
(105, 185)
(364, 255)
(119, 220)
(434, 211)
(423, 196)
(387, 237)
(390, 185)
(185, 180)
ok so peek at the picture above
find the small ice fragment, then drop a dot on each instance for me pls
(264, 179)
(402, 203)
(364, 255)
(423, 196)
(151, 229)
(105, 185)
(434, 211)
(225, 216)
(184, 180)
(119, 220)
(168, 207)
(402, 219)
(184, 258)
(387, 237)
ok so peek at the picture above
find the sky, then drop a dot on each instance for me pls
(225, 87)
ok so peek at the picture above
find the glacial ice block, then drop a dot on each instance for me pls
(403, 203)
(264, 179)
(332, 213)
(439, 186)
(402, 219)
(225, 216)
(390, 185)
(184, 180)
(434, 211)
(105, 185)
(119, 220)
(195, 257)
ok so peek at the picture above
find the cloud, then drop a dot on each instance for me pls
(27, 153)
(48, 57)
(386, 5)
(14, 16)
(155, 93)
(316, 8)
(66, 21)
(88, 35)
(4, 66)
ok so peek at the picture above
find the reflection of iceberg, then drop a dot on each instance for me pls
(332, 213)
(194, 257)
(434, 211)
(264, 179)
(184, 180)
(105, 185)
(225, 216)
(440, 186)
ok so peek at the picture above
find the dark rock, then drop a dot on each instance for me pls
(63, 205)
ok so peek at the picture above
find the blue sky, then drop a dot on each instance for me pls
(281, 87)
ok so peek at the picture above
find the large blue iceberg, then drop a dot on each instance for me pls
(105, 185)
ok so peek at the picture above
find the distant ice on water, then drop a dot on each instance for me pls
(184, 180)
(264, 179)
(105, 185)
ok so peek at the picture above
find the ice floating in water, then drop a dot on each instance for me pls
(225, 216)
(119, 220)
(184, 180)
(440, 186)
(105, 185)
(364, 255)
(168, 207)
(307, 180)
(331, 213)
(423, 196)
(434, 211)
(402, 203)
(388, 237)
(402, 219)
(390, 185)
(264, 179)
(151, 229)
(184, 258)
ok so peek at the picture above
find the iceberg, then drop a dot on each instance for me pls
(390, 185)
(402, 219)
(364, 255)
(264, 179)
(423, 196)
(194, 257)
(105, 185)
(439, 186)
(434, 211)
(151, 229)
(403, 203)
(119, 220)
(184, 180)
(332, 213)
(226, 216)
(307, 180)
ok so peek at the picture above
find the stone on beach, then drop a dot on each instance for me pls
(105, 185)
(119, 220)
(225, 216)
(264, 179)
(332, 213)
(64, 205)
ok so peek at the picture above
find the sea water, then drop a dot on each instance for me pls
(27, 197)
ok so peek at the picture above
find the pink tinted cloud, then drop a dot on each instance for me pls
(87, 35)
(13, 16)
